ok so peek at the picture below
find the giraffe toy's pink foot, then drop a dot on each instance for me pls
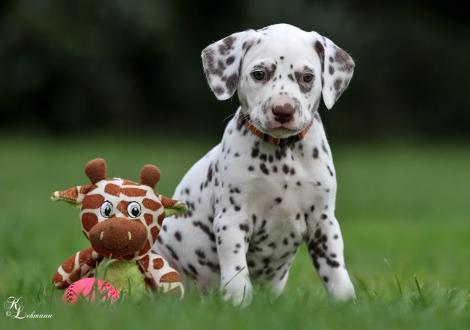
(88, 288)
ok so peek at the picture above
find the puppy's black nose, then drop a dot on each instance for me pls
(283, 113)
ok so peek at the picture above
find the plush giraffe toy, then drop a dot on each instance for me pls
(122, 220)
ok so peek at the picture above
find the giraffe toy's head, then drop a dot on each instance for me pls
(121, 218)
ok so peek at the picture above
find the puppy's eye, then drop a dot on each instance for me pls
(133, 209)
(106, 209)
(307, 77)
(258, 75)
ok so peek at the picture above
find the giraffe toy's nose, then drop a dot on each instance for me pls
(118, 237)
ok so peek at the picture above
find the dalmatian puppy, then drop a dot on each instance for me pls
(270, 184)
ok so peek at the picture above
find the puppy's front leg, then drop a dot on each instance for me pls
(325, 246)
(233, 233)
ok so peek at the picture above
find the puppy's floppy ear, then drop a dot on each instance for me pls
(222, 62)
(337, 68)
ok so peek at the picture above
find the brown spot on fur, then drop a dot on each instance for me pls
(134, 192)
(75, 276)
(148, 218)
(85, 256)
(160, 219)
(320, 51)
(232, 82)
(112, 189)
(270, 71)
(122, 207)
(344, 60)
(92, 201)
(89, 220)
(248, 48)
(226, 45)
(167, 201)
(154, 231)
(220, 66)
(145, 249)
(151, 204)
(337, 84)
(341, 56)
(145, 262)
(170, 277)
(87, 188)
(70, 194)
(158, 263)
(68, 264)
(58, 281)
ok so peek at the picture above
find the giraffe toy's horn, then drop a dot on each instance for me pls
(96, 170)
(150, 175)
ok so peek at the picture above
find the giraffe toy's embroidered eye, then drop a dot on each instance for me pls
(106, 209)
(133, 209)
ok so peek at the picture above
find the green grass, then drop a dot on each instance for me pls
(404, 211)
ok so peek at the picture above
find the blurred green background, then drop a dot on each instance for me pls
(123, 80)
(92, 65)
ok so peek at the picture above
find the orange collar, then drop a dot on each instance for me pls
(244, 119)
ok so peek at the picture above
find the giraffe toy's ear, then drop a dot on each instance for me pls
(173, 206)
(149, 175)
(96, 170)
(72, 195)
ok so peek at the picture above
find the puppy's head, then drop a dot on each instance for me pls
(280, 73)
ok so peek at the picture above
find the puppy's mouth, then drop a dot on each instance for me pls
(277, 129)
(282, 131)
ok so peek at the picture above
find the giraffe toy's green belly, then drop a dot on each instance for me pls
(124, 275)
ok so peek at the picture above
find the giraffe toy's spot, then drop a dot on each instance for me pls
(121, 219)
(112, 189)
(88, 221)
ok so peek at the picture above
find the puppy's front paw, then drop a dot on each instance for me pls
(238, 290)
(341, 288)
(344, 293)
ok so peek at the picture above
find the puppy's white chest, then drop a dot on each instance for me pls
(286, 186)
